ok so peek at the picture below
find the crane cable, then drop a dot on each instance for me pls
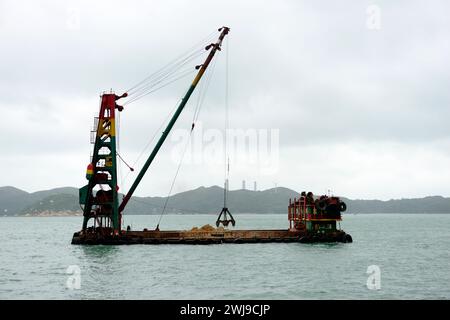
(167, 73)
(207, 38)
(176, 77)
(136, 89)
(168, 70)
(226, 156)
(163, 73)
(201, 96)
(152, 138)
(165, 76)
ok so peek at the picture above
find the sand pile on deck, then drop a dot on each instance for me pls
(207, 228)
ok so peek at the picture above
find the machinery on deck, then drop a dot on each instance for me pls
(318, 217)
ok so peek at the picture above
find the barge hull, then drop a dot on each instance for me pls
(214, 237)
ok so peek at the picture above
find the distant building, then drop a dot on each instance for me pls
(243, 184)
(254, 186)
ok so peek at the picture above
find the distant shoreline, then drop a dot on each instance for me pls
(203, 200)
(80, 214)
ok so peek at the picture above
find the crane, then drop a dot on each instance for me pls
(308, 221)
(103, 205)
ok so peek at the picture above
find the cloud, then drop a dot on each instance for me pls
(357, 110)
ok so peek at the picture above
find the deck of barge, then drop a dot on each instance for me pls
(205, 237)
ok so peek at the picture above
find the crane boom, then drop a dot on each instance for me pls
(215, 46)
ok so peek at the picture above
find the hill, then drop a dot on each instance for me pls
(64, 201)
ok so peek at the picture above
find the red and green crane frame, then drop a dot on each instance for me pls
(103, 206)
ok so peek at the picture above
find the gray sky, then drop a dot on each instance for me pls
(361, 111)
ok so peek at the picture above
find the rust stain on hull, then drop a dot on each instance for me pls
(206, 237)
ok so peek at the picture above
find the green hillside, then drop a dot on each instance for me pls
(16, 202)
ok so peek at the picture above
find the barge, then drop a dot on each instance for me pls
(213, 237)
(311, 219)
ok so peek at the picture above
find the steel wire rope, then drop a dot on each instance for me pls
(206, 39)
(226, 128)
(196, 113)
(160, 74)
(174, 179)
(165, 75)
(158, 130)
(153, 137)
(174, 78)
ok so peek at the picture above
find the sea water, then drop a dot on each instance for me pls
(393, 256)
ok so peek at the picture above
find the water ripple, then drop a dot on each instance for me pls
(34, 264)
